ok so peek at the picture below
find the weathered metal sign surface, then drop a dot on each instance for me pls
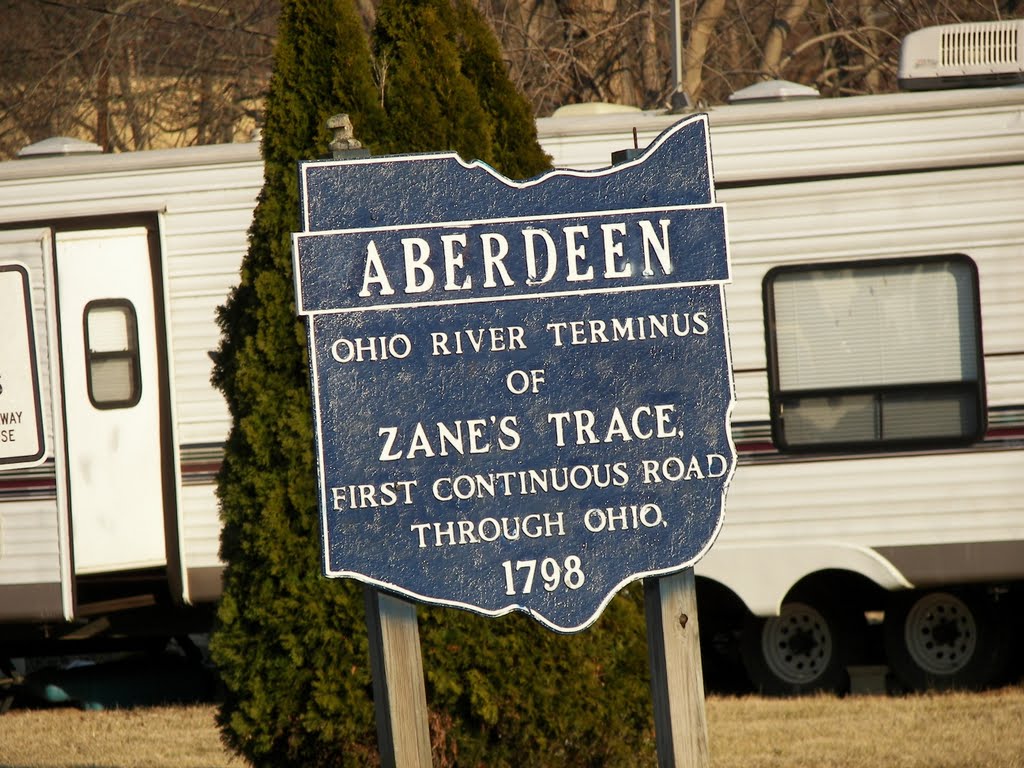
(521, 390)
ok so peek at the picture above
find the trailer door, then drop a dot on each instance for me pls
(108, 339)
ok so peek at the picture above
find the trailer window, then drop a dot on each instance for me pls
(877, 354)
(112, 354)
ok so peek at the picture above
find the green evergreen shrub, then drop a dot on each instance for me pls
(288, 643)
(515, 150)
(430, 103)
(516, 695)
(445, 86)
(291, 645)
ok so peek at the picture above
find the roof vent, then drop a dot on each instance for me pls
(773, 90)
(961, 55)
(59, 146)
(591, 108)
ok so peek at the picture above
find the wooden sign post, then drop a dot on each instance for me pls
(677, 680)
(399, 695)
(521, 390)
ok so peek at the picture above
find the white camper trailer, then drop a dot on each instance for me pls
(111, 271)
(876, 319)
(877, 330)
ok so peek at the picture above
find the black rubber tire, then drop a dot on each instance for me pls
(806, 649)
(946, 639)
(720, 656)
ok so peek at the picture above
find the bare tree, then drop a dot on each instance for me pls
(132, 74)
(778, 32)
(701, 34)
(567, 51)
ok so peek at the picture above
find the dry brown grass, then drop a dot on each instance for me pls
(159, 737)
(960, 730)
(954, 730)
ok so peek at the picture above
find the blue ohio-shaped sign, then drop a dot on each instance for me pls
(521, 390)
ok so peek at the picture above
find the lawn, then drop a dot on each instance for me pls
(954, 730)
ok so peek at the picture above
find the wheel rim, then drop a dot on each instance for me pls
(797, 645)
(940, 633)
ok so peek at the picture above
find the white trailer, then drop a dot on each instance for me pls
(876, 319)
(877, 333)
(111, 271)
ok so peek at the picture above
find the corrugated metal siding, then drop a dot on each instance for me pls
(862, 203)
(201, 525)
(29, 526)
(822, 137)
(894, 500)
(205, 198)
(975, 212)
(205, 244)
(953, 496)
(206, 206)
(30, 552)
(205, 226)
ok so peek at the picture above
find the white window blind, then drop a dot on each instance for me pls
(112, 354)
(109, 328)
(889, 325)
(877, 353)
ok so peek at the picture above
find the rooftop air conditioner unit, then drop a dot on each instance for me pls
(962, 55)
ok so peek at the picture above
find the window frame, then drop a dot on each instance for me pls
(967, 388)
(132, 354)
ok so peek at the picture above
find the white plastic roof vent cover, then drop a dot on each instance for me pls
(58, 146)
(592, 108)
(773, 90)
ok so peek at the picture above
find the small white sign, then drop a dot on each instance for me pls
(21, 424)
